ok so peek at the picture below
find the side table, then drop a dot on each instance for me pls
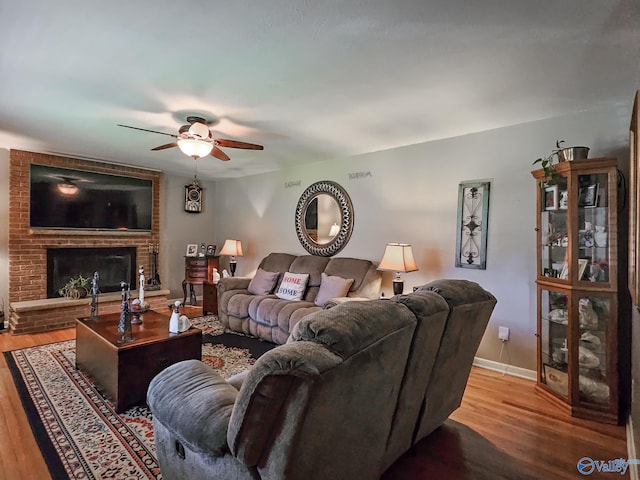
(209, 298)
(196, 271)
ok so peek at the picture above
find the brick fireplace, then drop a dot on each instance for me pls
(28, 248)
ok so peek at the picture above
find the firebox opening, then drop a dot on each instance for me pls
(113, 264)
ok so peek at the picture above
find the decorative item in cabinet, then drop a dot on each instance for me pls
(577, 296)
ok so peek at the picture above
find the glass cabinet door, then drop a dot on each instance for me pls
(594, 316)
(554, 341)
(593, 228)
(553, 225)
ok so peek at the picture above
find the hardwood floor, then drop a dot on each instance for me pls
(503, 430)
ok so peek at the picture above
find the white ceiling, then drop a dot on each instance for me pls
(308, 79)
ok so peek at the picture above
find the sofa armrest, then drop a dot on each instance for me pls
(238, 379)
(194, 403)
(332, 302)
(233, 283)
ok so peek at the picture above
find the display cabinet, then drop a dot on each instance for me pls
(577, 287)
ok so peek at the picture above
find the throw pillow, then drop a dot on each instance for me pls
(331, 287)
(263, 282)
(293, 286)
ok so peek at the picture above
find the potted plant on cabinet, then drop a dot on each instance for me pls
(75, 288)
(548, 163)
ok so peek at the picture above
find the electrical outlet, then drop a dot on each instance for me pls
(503, 333)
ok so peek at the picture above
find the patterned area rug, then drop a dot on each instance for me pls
(79, 432)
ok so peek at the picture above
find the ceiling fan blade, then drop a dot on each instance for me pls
(219, 154)
(151, 131)
(223, 142)
(168, 145)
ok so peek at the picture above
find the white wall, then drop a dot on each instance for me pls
(179, 228)
(409, 195)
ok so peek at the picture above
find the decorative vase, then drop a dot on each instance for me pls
(600, 236)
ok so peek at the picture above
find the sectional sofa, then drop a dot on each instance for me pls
(262, 306)
(353, 389)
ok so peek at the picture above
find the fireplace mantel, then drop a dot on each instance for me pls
(33, 316)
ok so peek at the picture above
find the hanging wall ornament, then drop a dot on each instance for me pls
(473, 214)
(193, 195)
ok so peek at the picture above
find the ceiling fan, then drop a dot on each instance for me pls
(195, 140)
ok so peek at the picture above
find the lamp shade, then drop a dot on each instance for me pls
(232, 247)
(195, 148)
(398, 257)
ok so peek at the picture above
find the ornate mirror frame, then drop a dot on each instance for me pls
(346, 212)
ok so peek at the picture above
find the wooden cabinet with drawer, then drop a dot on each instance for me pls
(196, 271)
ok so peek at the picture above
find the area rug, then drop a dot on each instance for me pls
(79, 432)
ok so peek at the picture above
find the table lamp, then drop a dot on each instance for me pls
(233, 248)
(398, 257)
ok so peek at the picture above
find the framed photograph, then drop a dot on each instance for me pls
(551, 197)
(564, 273)
(211, 250)
(583, 263)
(473, 216)
(192, 250)
(563, 200)
(588, 196)
(203, 249)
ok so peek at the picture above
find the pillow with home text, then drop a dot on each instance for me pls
(293, 286)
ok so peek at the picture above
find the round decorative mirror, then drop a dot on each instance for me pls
(324, 218)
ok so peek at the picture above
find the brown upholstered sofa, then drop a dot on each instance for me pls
(265, 315)
(354, 387)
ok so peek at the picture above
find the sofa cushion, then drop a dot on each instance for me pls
(352, 326)
(332, 286)
(349, 268)
(459, 292)
(293, 286)
(314, 266)
(263, 282)
(277, 262)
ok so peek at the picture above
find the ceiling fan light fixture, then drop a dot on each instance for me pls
(195, 148)
(199, 130)
(68, 189)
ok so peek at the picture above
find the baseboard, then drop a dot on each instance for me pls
(505, 368)
(631, 450)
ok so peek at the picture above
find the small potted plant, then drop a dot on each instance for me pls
(549, 162)
(75, 288)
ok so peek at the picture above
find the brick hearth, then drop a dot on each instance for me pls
(27, 247)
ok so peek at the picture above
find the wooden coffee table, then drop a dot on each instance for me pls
(123, 371)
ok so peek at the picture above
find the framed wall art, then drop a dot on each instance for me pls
(473, 216)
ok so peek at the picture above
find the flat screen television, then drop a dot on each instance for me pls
(62, 198)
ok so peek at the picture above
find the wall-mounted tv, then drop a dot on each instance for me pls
(62, 198)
